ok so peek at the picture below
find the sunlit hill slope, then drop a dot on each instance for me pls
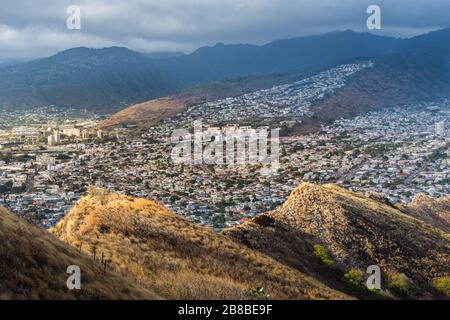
(175, 258)
(33, 265)
(346, 231)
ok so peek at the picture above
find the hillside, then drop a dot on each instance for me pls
(33, 265)
(344, 230)
(96, 79)
(409, 73)
(435, 212)
(146, 114)
(175, 258)
(395, 80)
(315, 246)
(151, 112)
(230, 61)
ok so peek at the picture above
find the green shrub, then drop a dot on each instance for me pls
(399, 206)
(442, 285)
(323, 254)
(400, 284)
(257, 294)
(354, 278)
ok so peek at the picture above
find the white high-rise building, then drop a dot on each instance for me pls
(57, 136)
(440, 129)
(54, 138)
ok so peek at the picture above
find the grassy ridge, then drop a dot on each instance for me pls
(175, 258)
(34, 264)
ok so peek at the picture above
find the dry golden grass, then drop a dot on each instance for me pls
(148, 113)
(175, 258)
(33, 265)
(436, 212)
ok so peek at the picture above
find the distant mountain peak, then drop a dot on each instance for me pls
(77, 51)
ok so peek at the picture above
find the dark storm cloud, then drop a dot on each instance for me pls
(30, 28)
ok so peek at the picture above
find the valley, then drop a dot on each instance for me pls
(395, 151)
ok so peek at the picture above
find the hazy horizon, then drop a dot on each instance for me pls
(6, 61)
(28, 32)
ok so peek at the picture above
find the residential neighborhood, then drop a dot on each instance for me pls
(46, 165)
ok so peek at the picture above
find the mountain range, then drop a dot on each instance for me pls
(112, 78)
(317, 245)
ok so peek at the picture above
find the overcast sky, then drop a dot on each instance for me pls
(37, 28)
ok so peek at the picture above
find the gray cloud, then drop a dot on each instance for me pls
(30, 28)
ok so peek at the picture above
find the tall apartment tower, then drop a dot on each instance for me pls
(54, 138)
(440, 129)
(57, 136)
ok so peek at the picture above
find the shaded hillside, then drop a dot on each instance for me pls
(228, 61)
(436, 212)
(151, 112)
(418, 70)
(176, 258)
(394, 80)
(356, 230)
(33, 265)
(96, 79)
